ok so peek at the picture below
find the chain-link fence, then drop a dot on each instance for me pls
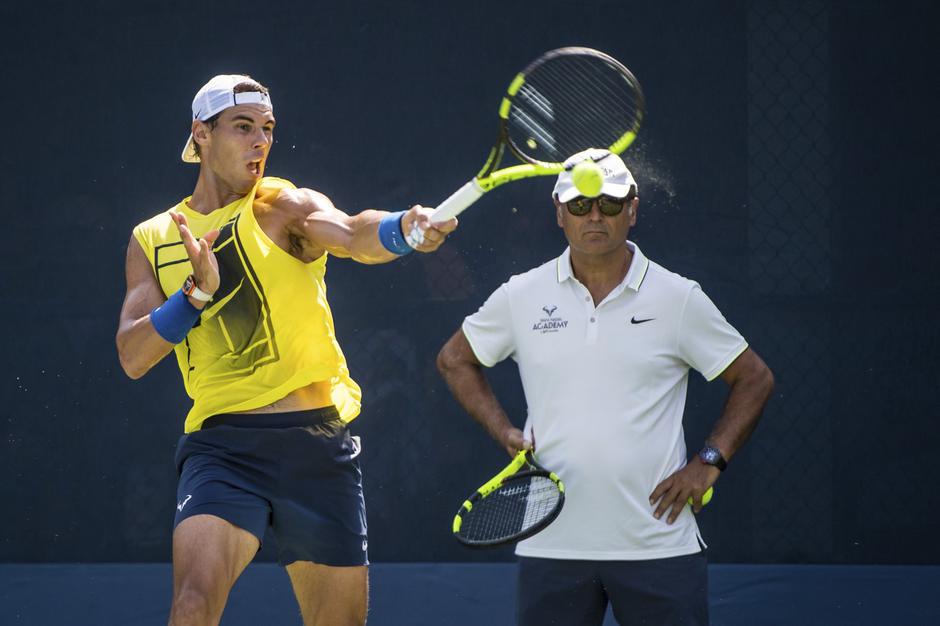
(790, 257)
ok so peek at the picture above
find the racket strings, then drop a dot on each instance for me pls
(573, 102)
(588, 106)
(574, 86)
(512, 509)
(583, 75)
(612, 110)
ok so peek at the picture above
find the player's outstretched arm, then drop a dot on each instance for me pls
(463, 373)
(368, 237)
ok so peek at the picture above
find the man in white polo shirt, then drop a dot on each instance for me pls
(604, 339)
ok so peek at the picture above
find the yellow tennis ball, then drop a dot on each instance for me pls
(706, 497)
(588, 178)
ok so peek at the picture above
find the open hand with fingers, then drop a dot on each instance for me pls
(429, 236)
(201, 257)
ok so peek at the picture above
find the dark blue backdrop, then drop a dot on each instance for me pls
(787, 164)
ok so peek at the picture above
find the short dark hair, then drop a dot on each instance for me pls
(246, 85)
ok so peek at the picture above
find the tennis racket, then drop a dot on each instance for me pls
(566, 101)
(518, 502)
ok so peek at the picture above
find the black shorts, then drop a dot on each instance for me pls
(661, 592)
(296, 473)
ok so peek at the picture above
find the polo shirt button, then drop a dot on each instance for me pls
(587, 298)
(592, 319)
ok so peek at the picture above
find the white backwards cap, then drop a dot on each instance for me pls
(216, 96)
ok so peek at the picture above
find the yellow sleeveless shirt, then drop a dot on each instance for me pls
(268, 329)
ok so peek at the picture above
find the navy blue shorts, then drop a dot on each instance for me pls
(296, 473)
(660, 592)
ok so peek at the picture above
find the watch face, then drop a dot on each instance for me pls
(188, 285)
(710, 455)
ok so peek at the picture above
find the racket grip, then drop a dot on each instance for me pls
(457, 202)
(451, 207)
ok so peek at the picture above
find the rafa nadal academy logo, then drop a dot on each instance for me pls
(550, 323)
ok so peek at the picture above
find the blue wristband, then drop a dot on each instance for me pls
(391, 236)
(174, 318)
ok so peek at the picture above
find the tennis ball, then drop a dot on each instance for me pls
(706, 497)
(588, 177)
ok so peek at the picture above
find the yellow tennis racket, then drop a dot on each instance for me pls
(518, 502)
(566, 101)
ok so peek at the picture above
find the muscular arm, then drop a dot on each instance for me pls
(750, 384)
(464, 376)
(138, 344)
(313, 219)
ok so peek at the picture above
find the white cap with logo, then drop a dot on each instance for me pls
(617, 178)
(216, 96)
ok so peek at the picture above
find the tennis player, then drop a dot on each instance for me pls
(231, 279)
(604, 339)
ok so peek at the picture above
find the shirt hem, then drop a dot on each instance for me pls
(199, 413)
(608, 555)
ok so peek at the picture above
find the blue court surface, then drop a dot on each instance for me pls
(451, 594)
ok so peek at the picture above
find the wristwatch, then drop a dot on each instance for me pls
(190, 289)
(711, 455)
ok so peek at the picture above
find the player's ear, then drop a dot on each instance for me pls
(632, 209)
(559, 207)
(200, 132)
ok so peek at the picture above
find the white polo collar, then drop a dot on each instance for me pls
(639, 267)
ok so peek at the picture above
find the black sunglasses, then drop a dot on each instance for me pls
(608, 205)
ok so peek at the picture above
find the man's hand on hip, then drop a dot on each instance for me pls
(692, 481)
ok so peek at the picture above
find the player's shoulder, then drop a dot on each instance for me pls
(161, 222)
(284, 195)
(272, 185)
(272, 190)
(158, 222)
(158, 230)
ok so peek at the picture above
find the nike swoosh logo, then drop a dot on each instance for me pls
(634, 320)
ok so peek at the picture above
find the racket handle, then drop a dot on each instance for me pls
(457, 202)
(451, 207)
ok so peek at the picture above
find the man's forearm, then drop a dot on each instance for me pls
(472, 390)
(379, 237)
(746, 400)
(140, 347)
